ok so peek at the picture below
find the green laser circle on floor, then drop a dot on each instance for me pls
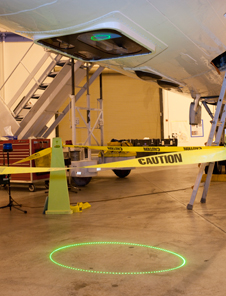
(111, 272)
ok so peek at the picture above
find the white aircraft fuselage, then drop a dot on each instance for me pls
(175, 41)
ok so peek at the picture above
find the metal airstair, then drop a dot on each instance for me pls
(44, 90)
(216, 131)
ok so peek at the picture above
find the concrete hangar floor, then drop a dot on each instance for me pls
(147, 208)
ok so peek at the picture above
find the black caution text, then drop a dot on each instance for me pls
(175, 158)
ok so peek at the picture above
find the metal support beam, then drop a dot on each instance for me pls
(77, 97)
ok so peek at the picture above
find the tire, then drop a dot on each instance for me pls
(32, 188)
(122, 173)
(82, 181)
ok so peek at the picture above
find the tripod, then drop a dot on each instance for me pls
(12, 203)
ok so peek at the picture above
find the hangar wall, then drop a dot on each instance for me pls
(131, 109)
(13, 52)
(176, 120)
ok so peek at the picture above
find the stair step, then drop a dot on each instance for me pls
(53, 74)
(43, 86)
(62, 63)
(35, 97)
(18, 118)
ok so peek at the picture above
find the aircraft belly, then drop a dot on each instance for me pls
(186, 35)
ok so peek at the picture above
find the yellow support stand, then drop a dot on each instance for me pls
(80, 206)
(58, 200)
(215, 178)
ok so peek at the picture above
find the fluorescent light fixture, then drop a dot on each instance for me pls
(78, 173)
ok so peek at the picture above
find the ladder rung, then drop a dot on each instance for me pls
(219, 123)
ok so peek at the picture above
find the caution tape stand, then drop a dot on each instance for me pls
(58, 199)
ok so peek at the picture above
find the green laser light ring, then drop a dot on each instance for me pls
(101, 37)
(117, 273)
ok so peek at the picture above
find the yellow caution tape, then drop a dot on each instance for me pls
(124, 149)
(36, 155)
(168, 159)
(143, 148)
(18, 170)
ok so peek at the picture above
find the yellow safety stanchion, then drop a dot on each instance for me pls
(58, 199)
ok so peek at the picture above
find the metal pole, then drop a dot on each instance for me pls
(88, 111)
(73, 102)
(101, 107)
(161, 114)
(3, 65)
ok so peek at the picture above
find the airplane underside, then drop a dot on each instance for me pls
(181, 45)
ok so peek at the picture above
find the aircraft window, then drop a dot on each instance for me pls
(220, 62)
(96, 45)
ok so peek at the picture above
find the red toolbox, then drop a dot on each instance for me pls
(21, 150)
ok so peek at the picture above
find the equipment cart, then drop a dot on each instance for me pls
(21, 150)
